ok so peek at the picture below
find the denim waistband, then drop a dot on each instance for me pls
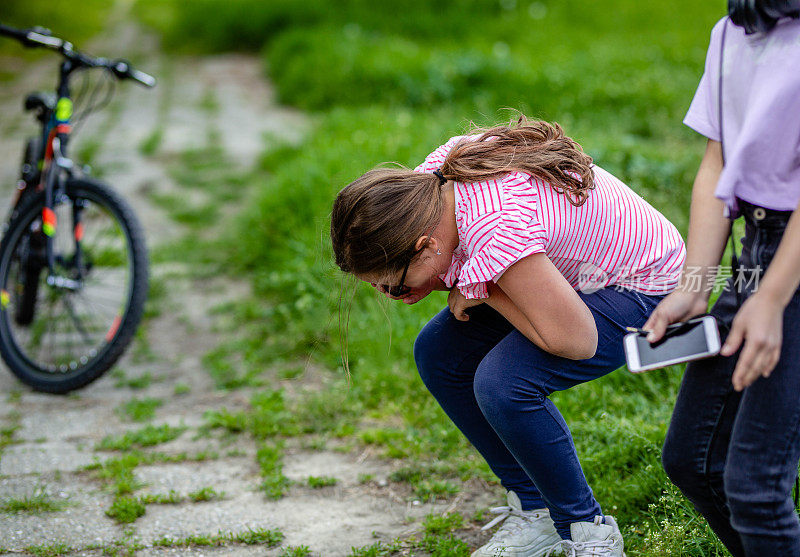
(762, 217)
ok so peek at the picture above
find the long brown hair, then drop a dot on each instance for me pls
(377, 219)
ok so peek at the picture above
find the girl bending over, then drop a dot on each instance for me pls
(547, 258)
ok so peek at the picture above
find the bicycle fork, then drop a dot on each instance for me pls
(59, 164)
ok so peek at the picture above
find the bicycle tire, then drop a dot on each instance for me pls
(30, 175)
(119, 337)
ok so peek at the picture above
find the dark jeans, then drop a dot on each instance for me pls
(494, 383)
(735, 455)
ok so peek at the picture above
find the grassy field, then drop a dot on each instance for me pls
(385, 83)
(56, 15)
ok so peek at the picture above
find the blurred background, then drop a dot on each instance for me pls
(232, 412)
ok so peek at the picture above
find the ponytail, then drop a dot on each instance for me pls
(535, 147)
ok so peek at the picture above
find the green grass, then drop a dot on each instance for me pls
(206, 493)
(152, 142)
(181, 389)
(255, 536)
(270, 460)
(171, 498)
(439, 539)
(318, 482)
(36, 503)
(296, 551)
(57, 15)
(147, 436)
(49, 550)
(140, 409)
(125, 510)
(391, 85)
(118, 475)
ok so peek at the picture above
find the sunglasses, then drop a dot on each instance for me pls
(401, 289)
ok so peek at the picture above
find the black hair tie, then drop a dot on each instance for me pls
(442, 179)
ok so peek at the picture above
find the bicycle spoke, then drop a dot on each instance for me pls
(90, 313)
(77, 322)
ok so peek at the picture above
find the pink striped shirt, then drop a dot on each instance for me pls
(615, 238)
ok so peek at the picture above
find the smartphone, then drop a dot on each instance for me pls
(690, 340)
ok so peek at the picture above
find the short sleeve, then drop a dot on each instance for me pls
(436, 158)
(703, 113)
(517, 234)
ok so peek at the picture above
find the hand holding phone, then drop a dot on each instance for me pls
(690, 340)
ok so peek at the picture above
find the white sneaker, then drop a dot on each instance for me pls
(591, 539)
(523, 534)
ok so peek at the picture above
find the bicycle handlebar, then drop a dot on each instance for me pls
(123, 69)
(40, 37)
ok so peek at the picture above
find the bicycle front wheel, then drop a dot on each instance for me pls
(60, 331)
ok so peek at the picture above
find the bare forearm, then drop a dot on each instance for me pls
(782, 279)
(500, 302)
(708, 227)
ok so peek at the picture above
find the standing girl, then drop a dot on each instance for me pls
(734, 441)
(547, 258)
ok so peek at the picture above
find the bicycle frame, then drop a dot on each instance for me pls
(56, 169)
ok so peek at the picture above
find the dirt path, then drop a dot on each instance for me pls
(53, 438)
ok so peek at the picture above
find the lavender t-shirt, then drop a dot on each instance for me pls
(761, 114)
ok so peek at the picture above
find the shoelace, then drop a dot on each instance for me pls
(505, 512)
(582, 549)
(591, 548)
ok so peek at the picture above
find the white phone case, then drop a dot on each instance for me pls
(712, 342)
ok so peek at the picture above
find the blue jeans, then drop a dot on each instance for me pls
(734, 455)
(494, 384)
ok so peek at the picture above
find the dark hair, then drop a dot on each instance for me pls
(377, 219)
(761, 15)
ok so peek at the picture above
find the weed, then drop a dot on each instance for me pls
(296, 551)
(428, 490)
(378, 549)
(171, 498)
(318, 482)
(148, 436)
(199, 540)
(442, 524)
(126, 509)
(256, 536)
(205, 494)
(141, 382)
(270, 457)
(140, 410)
(38, 502)
(152, 142)
(226, 372)
(292, 372)
(209, 102)
(181, 389)
(225, 419)
(7, 434)
(119, 472)
(49, 550)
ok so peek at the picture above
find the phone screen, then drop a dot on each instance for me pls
(687, 342)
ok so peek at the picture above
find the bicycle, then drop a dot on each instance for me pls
(73, 259)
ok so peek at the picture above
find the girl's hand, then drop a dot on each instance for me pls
(759, 322)
(677, 306)
(458, 304)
